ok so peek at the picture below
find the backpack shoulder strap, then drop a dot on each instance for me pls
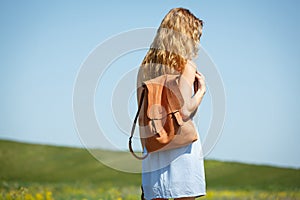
(134, 125)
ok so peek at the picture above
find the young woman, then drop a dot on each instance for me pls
(177, 173)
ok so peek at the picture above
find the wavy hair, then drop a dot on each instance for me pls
(176, 41)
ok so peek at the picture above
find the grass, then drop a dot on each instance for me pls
(42, 172)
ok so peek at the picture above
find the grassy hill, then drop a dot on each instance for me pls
(28, 164)
(43, 163)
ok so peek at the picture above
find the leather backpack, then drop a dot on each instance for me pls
(161, 124)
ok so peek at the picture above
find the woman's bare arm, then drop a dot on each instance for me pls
(191, 102)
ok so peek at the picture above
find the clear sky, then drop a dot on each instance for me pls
(255, 45)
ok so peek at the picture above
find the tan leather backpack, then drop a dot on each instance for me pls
(161, 124)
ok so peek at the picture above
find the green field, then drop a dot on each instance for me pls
(37, 172)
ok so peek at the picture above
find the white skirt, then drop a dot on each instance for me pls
(174, 173)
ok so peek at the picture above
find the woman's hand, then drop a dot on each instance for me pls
(199, 88)
(201, 83)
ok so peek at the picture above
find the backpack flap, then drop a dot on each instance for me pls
(164, 98)
(174, 98)
(155, 110)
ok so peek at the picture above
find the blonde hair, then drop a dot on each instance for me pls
(176, 41)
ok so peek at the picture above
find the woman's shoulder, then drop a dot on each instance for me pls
(190, 69)
(140, 75)
(191, 64)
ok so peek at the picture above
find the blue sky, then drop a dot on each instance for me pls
(254, 44)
